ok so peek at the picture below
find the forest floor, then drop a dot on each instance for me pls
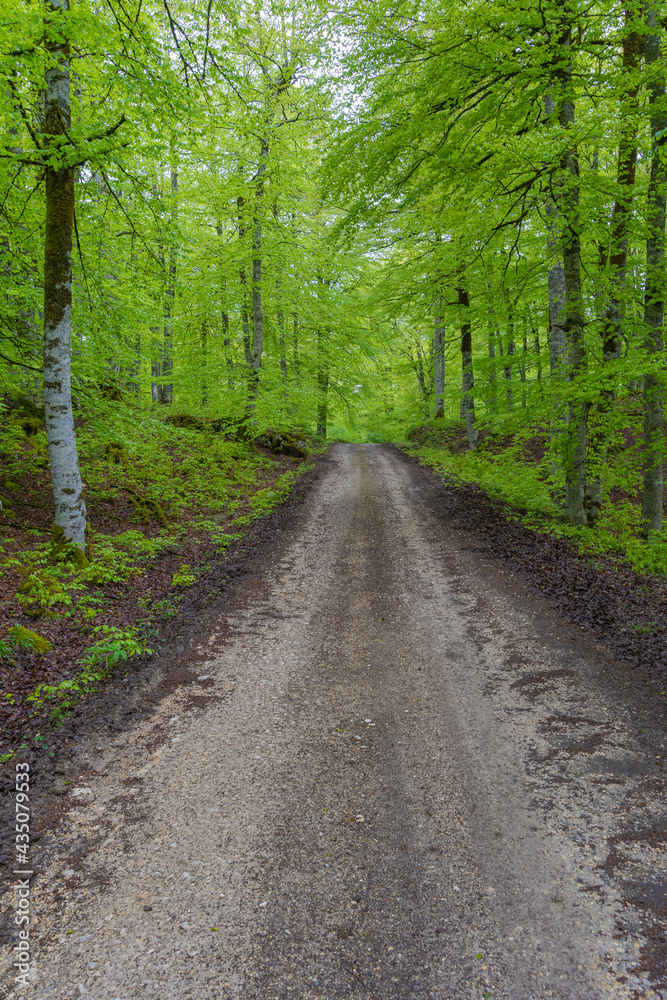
(168, 520)
(386, 765)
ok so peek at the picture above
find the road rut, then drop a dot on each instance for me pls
(395, 777)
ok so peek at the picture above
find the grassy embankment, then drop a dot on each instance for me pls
(164, 503)
(517, 469)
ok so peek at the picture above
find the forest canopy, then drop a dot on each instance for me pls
(348, 219)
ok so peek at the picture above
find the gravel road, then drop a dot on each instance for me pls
(393, 774)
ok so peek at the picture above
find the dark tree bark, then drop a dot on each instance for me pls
(167, 352)
(439, 357)
(654, 292)
(567, 205)
(468, 379)
(243, 279)
(616, 257)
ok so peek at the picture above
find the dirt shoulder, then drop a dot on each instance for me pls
(131, 696)
(605, 598)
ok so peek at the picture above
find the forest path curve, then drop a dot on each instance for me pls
(396, 777)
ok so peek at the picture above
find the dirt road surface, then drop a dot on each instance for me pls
(398, 775)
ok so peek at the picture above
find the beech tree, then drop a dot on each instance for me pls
(328, 218)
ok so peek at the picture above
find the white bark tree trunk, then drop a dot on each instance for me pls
(68, 495)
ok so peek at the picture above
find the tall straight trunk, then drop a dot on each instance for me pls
(522, 371)
(439, 357)
(655, 282)
(633, 45)
(280, 319)
(617, 257)
(493, 337)
(68, 496)
(493, 378)
(322, 385)
(556, 273)
(296, 360)
(421, 378)
(167, 352)
(226, 342)
(575, 443)
(257, 309)
(509, 391)
(557, 338)
(243, 280)
(468, 379)
(538, 353)
(204, 362)
(322, 401)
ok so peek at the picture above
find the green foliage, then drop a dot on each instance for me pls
(528, 492)
(25, 638)
(115, 646)
(264, 501)
(184, 577)
(221, 539)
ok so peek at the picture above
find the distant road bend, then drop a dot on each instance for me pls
(397, 776)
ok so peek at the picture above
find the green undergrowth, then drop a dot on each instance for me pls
(114, 645)
(172, 490)
(527, 488)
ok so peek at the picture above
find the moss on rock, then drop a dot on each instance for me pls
(185, 420)
(283, 443)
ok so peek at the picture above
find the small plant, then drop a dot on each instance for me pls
(221, 539)
(97, 662)
(117, 644)
(167, 608)
(42, 590)
(184, 578)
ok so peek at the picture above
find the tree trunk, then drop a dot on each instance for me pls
(573, 325)
(468, 379)
(617, 256)
(167, 352)
(322, 401)
(655, 283)
(280, 319)
(257, 310)
(245, 315)
(421, 378)
(204, 362)
(68, 495)
(556, 275)
(296, 362)
(322, 385)
(509, 391)
(439, 357)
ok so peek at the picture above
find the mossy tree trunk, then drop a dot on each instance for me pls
(70, 506)
(243, 279)
(439, 356)
(567, 206)
(167, 352)
(468, 379)
(617, 256)
(654, 302)
(421, 377)
(257, 308)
